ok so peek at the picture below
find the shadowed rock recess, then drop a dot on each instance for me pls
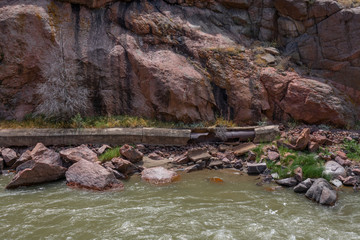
(183, 60)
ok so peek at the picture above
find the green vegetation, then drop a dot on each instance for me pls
(107, 122)
(310, 164)
(352, 149)
(110, 154)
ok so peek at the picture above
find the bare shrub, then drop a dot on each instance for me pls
(61, 95)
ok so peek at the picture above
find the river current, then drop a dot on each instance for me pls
(193, 208)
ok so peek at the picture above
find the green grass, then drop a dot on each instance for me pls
(107, 122)
(352, 149)
(310, 164)
(110, 154)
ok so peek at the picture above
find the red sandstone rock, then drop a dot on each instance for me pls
(131, 154)
(90, 175)
(82, 152)
(159, 175)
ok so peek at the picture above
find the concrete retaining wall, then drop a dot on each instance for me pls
(111, 136)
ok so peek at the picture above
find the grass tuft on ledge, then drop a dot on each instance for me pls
(124, 121)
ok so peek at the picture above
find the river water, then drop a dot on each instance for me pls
(193, 208)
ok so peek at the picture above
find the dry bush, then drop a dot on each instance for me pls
(349, 3)
(61, 95)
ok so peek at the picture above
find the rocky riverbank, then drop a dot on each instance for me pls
(301, 158)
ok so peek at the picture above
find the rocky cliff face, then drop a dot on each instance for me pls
(185, 60)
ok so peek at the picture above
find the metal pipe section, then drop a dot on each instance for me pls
(242, 136)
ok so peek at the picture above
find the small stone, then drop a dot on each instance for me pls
(182, 159)
(154, 156)
(341, 154)
(9, 156)
(298, 174)
(103, 148)
(287, 182)
(191, 168)
(216, 163)
(256, 168)
(131, 154)
(272, 51)
(336, 182)
(198, 154)
(268, 58)
(350, 180)
(243, 148)
(273, 156)
(313, 146)
(237, 164)
(1, 164)
(356, 171)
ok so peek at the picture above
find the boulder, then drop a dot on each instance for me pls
(123, 166)
(26, 156)
(9, 156)
(256, 168)
(287, 182)
(198, 154)
(90, 175)
(76, 154)
(159, 175)
(322, 192)
(334, 170)
(131, 154)
(45, 166)
(303, 186)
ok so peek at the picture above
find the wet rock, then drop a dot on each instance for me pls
(117, 174)
(243, 148)
(298, 174)
(123, 166)
(26, 156)
(273, 156)
(131, 154)
(350, 180)
(1, 164)
(45, 166)
(287, 182)
(82, 152)
(192, 168)
(159, 175)
(336, 182)
(303, 186)
(256, 168)
(237, 164)
(334, 170)
(198, 154)
(322, 192)
(90, 175)
(9, 156)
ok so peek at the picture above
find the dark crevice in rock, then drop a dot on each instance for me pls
(222, 106)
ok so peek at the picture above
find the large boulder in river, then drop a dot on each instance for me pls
(90, 175)
(159, 175)
(45, 166)
(322, 192)
(26, 156)
(334, 170)
(82, 152)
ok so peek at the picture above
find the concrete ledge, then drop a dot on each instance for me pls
(115, 136)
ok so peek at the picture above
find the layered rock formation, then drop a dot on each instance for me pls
(184, 60)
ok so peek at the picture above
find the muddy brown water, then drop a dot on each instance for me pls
(193, 208)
